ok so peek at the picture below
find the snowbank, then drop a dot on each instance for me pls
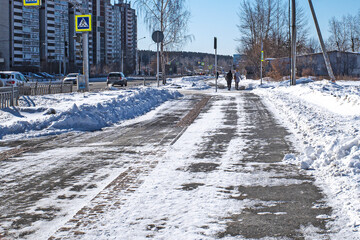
(52, 114)
(325, 118)
(193, 82)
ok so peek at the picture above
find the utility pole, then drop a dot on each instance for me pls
(262, 58)
(293, 44)
(216, 73)
(326, 56)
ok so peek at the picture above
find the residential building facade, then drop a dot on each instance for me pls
(43, 38)
(24, 36)
(128, 37)
(5, 44)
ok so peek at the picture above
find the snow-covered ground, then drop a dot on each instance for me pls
(58, 113)
(323, 117)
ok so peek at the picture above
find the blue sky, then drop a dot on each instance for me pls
(218, 18)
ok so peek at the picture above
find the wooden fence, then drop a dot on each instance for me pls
(9, 96)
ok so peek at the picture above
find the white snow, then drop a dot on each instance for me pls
(325, 120)
(323, 117)
(78, 111)
(193, 82)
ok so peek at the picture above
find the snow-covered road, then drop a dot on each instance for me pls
(282, 163)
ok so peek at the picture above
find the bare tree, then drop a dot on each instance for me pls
(353, 31)
(345, 33)
(338, 39)
(313, 46)
(267, 21)
(169, 16)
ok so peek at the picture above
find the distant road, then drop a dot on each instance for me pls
(99, 84)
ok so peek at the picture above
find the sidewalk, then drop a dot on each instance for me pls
(222, 178)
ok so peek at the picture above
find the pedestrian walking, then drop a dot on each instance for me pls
(237, 78)
(228, 78)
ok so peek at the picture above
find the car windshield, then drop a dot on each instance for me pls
(5, 75)
(115, 75)
(72, 75)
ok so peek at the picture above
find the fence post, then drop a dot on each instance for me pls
(62, 86)
(17, 97)
(36, 86)
(50, 88)
(12, 95)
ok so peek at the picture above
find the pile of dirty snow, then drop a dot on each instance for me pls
(57, 113)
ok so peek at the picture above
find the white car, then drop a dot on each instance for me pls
(71, 78)
(10, 78)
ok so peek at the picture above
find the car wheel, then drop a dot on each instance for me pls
(126, 84)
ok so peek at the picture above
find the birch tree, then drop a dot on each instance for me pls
(169, 16)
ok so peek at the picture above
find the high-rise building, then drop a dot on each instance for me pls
(60, 46)
(5, 44)
(109, 32)
(43, 38)
(107, 35)
(116, 36)
(98, 30)
(24, 36)
(128, 36)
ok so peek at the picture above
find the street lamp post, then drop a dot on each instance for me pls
(137, 61)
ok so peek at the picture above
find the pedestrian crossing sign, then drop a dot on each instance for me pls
(32, 2)
(83, 23)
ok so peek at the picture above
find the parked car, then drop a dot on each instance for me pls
(33, 76)
(10, 78)
(47, 75)
(71, 78)
(116, 78)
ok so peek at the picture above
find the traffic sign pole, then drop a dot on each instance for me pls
(86, 59)
(157, 64)
(83, 24)
(158, 37)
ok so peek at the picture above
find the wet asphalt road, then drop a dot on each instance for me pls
(41, 171)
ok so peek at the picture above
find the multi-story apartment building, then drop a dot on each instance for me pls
(98, 31)
(128, 36)
(59, 41)
(5, 36)
(109, 32)
(24, 36)
(43, 38)
(116, 36)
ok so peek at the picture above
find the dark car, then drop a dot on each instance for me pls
(116, 78)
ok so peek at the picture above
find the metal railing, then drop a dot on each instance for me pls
(9, 96)
(37, 88)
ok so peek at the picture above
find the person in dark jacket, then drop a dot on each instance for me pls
(228, 78)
